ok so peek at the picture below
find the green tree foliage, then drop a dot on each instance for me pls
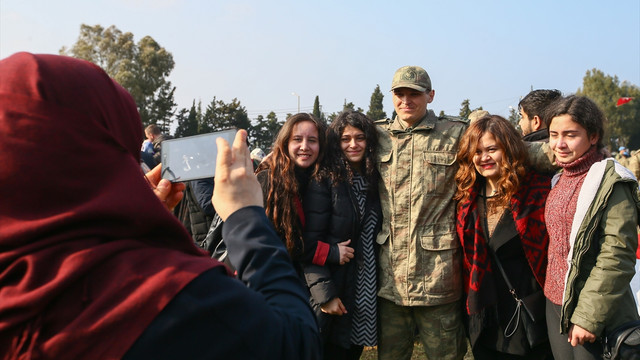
(141, 68)
(222, 116)
(376, 109)
(346, 106)
(623, 122)
(514, 116)
(264, 132)
(163, 109)
(317, 112)
(465, 110)
(187, 122)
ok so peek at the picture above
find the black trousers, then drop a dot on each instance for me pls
(335, 352)
(561, 348)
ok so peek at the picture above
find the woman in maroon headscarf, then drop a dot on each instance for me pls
(92, 265)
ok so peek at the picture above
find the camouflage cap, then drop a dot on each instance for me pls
(413, 77)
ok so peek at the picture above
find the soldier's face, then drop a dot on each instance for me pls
(304, 145)
(410, 104)
(488, 157)
(353, 142)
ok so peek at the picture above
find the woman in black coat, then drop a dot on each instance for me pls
(343, 215)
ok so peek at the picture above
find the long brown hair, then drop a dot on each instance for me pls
(513, 164)
(283, 187)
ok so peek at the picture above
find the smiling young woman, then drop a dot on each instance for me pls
(500, 212)
(285, 174)
(592, 218)
(343, 215)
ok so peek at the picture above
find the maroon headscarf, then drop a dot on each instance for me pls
(88, 254)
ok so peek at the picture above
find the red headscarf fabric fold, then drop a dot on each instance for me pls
(88, 254)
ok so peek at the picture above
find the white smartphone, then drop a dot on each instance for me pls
(192, 157)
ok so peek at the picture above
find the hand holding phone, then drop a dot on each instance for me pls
(192, 157)
(235, 184)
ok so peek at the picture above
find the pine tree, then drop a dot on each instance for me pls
(465, 110)
(514, 116)
(376, 109)
(316, 109)
(264, 132)
(187, 124)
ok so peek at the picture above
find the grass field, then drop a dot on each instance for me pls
(371, 353)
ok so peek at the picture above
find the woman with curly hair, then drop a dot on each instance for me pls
(501, 227)
(285, 173)
(343, 214)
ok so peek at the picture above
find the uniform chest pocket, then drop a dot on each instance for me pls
(438, 172)
(384, 161)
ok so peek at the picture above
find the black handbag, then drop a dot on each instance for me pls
(214, 243)
(533, 317)
(214, 236)
(623, 343)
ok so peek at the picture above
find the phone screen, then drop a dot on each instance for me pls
(192, 157)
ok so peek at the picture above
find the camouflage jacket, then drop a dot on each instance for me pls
(420, 255)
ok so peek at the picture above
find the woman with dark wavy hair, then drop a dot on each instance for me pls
(285, 173)
(343, 217)
(500, 219)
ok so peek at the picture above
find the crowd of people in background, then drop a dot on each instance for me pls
(467, 235)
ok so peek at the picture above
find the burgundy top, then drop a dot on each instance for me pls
(559, 213)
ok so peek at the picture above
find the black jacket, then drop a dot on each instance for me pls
(540, 135)
(218, 317)
(195, 211)
(332, 217)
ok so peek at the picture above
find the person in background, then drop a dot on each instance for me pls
(501, 213)
(477, 114)
(531, 108)
(420, 269)
(147, 146)
(284, 175)
(633, 163)
(256, 156)
(146, 155)
(196, 211)
(342, 208)
(95, 266)
(592, 218)
(154, 133)
(623, 156)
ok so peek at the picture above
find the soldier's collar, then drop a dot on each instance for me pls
(426, 123)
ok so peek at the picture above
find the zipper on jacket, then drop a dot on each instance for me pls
(578, 257)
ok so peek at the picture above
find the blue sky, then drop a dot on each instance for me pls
(490, 52)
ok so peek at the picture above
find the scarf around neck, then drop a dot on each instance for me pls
(527, 208)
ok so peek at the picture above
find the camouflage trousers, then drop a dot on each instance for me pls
(440, 330)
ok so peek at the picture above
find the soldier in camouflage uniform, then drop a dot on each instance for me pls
(420, 256)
